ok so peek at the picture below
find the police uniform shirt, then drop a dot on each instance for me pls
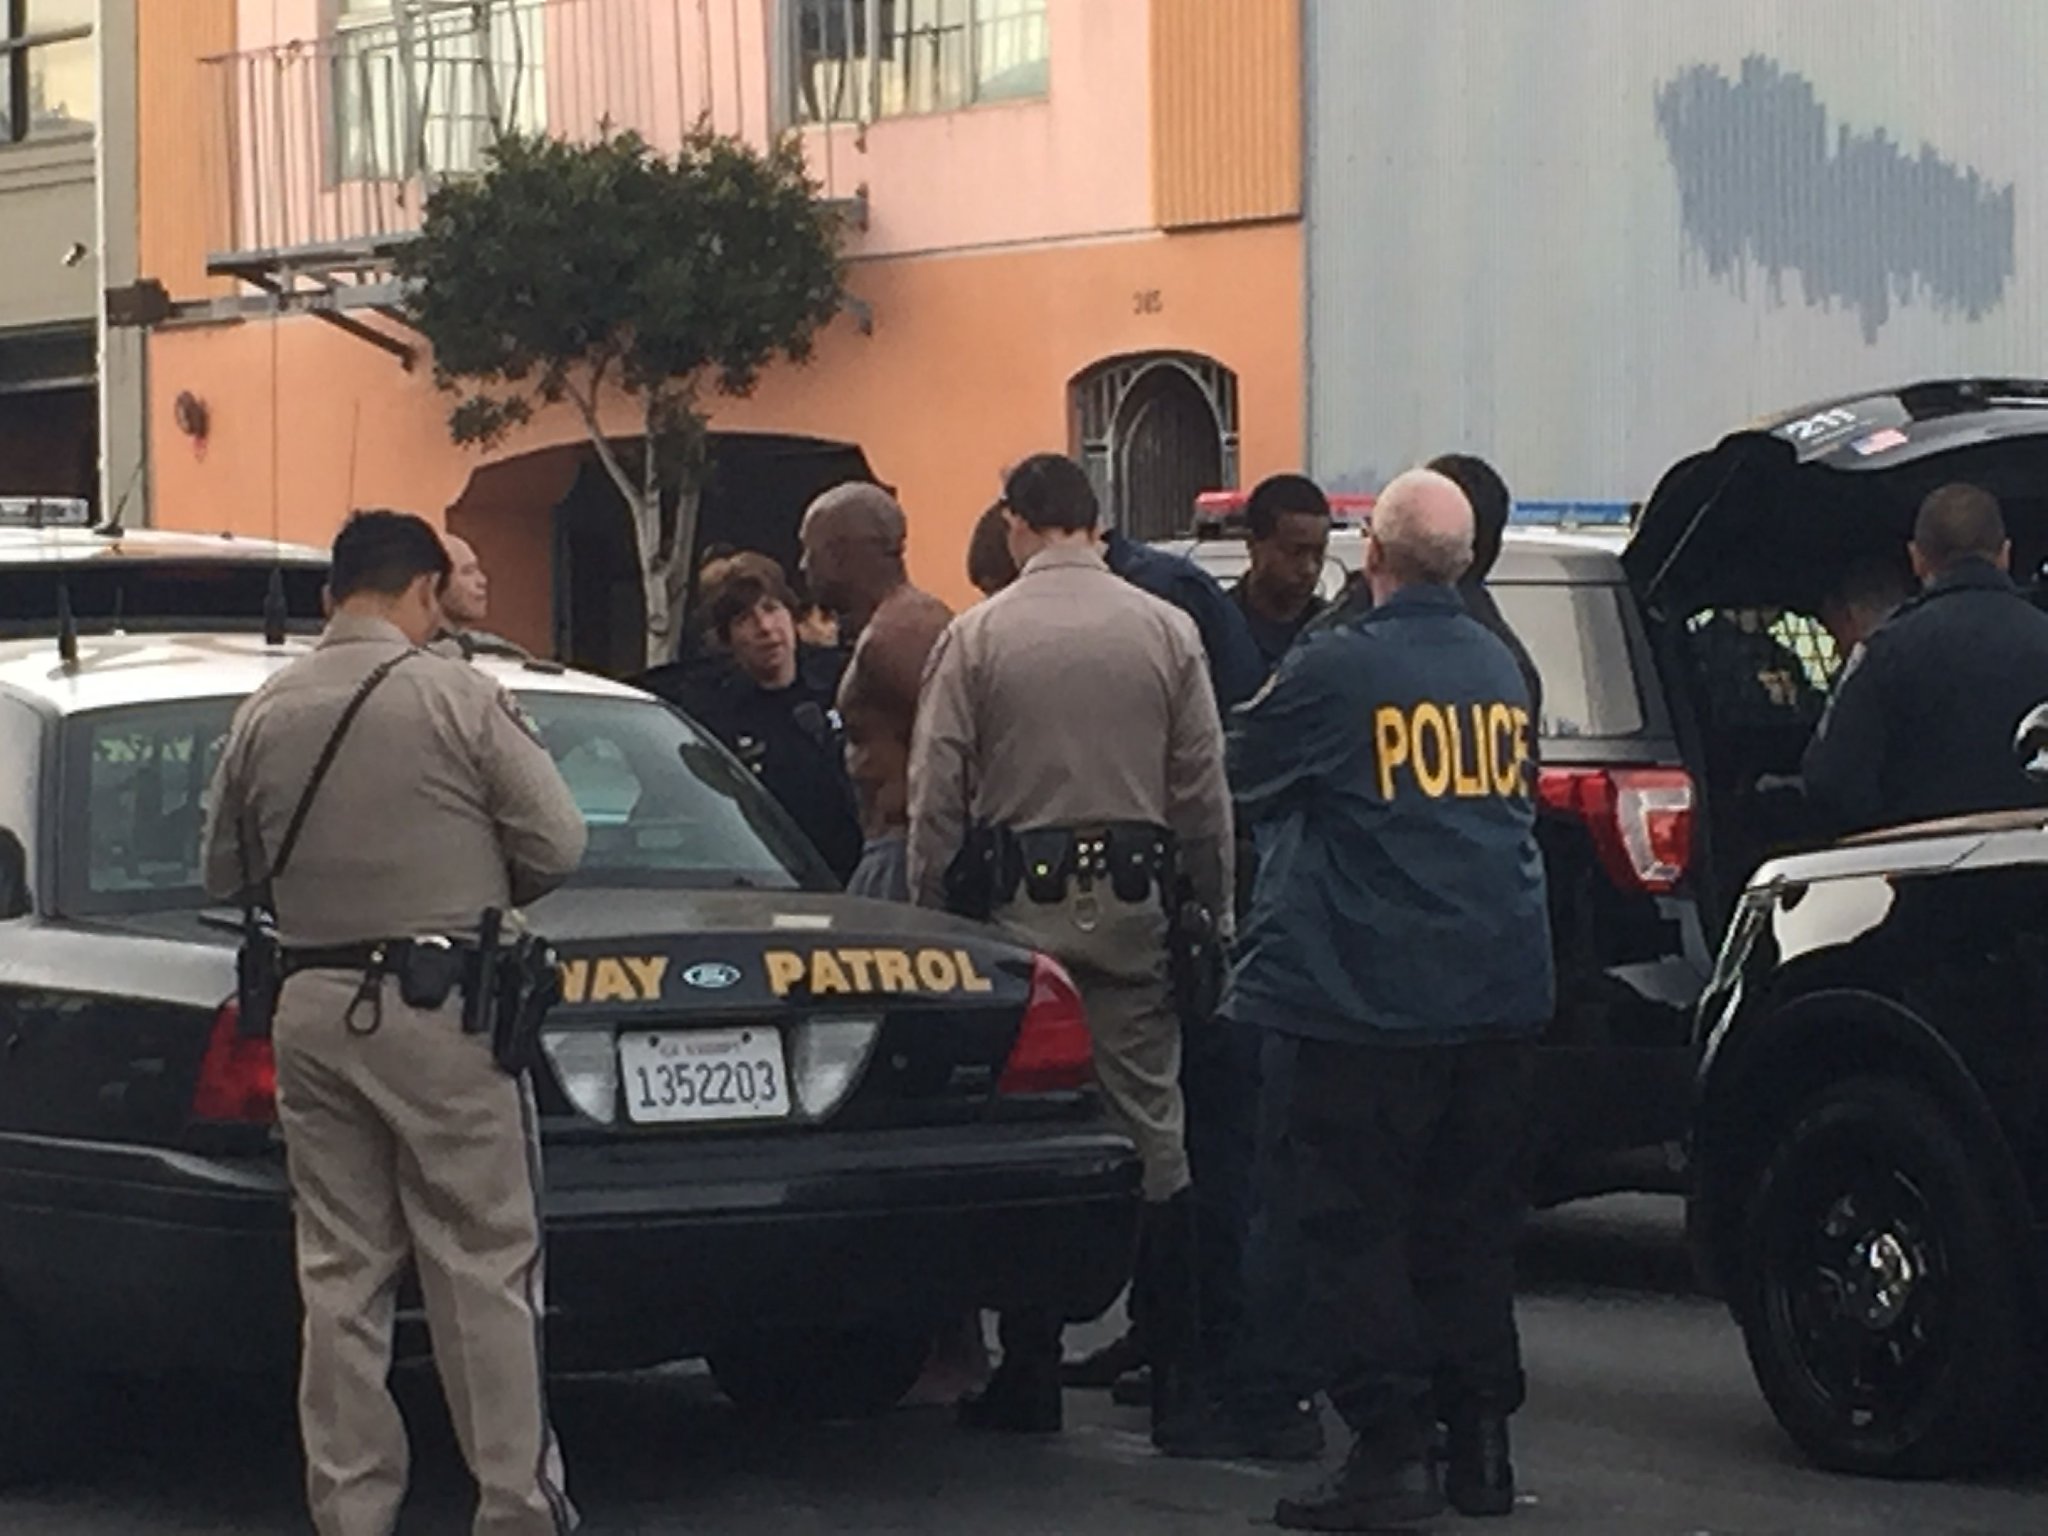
(1922, 725)
(1069, 699)
(441, 802)
(1400, 897)
(791, 740)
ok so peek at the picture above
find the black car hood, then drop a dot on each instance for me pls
(1771, 515)
(626, 950)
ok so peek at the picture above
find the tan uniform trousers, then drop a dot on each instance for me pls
(408, 1144)
(1116, 953)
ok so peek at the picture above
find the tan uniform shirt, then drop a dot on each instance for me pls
(440, 803)
(1070, 699)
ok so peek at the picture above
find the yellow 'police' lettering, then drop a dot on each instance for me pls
(1471, 751)
(1500, 748)
(1473, 785)
(1428, 725)
(1391, 736)
(824, 972)
(575, 981)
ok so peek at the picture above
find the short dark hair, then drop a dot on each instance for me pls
(1277, 495)
(1049, 491)
(1488, 494)
(1959, 522)
(990, 565)
(1878, 581)
(738, 584)
(385, 552)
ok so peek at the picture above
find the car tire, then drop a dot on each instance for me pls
(42, 1410)
(815, 1373)
(1881, 1306)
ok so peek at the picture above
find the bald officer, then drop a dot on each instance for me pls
(1073, 713)
(1398, 958)
(404, 1140)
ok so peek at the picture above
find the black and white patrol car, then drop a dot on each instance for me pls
(786, 1129)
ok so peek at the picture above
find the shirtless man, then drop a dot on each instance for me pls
(853, 539)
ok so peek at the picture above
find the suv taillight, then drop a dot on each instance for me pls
(237, 1076)
(1640, 819)
(1053, 1053)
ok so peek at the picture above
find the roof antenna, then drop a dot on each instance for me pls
(274, 611)
(67, 628)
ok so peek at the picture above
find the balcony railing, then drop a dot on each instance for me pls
(328, 147)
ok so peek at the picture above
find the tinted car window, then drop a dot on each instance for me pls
(665, 806)
(1579, 638)
(157, 595)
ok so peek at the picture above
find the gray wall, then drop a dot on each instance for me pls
(1586, 237)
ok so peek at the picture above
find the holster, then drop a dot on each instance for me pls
(971, 879)
(1195, 957)
(259, 975)
(529, 983)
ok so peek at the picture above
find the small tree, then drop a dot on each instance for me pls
(574, 272)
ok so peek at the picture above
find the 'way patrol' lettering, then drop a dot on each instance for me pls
(614, 979)
(1470, 751)
(824, 972)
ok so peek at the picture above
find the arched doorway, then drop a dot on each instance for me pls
(1154, 431)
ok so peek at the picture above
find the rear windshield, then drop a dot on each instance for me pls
(1578, 637)
(666, 808)
(151, 594)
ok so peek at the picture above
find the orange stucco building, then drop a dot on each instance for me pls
(1079, 229)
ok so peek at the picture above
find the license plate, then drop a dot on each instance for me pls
(673, 1076)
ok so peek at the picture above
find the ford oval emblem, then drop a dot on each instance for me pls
(712, 976)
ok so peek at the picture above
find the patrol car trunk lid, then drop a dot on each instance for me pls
(1774, 513)
(703, 1012)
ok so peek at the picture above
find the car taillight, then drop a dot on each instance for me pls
(237, 1076)
(1640, 819)
(1053, 1053)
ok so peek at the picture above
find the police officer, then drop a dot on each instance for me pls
(1922, 725)
(771, 700)
(466, 607)
(1398, 956)
(405, 1142)
(1072, 712)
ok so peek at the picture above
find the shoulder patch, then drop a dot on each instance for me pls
(516, 713)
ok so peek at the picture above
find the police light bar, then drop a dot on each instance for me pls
(1572, 514)
(1223, 511)
(45, 512)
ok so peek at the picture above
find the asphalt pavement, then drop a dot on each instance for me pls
(1643, 1421)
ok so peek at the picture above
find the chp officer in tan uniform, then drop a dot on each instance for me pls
(1072, 714)
(405, 1142)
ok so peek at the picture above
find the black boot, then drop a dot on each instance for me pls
(1171, 1308)
(1371, 1492)
(1479, 1472)
(1023, 1397)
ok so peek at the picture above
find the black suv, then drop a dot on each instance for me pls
(1684, 668)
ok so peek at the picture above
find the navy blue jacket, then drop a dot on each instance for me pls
(1922, 720)
(1400, 895)
(1235, 666)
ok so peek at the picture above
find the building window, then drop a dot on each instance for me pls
(49, 79)
(1155, 431)
(424, 87)
(856, 60)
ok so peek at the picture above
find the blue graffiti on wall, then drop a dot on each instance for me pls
(1764, 183)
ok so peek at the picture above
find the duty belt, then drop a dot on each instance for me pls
(1132, 860)
(385, 955)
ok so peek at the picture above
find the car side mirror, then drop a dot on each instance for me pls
(2030, 745)
(14, 900)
